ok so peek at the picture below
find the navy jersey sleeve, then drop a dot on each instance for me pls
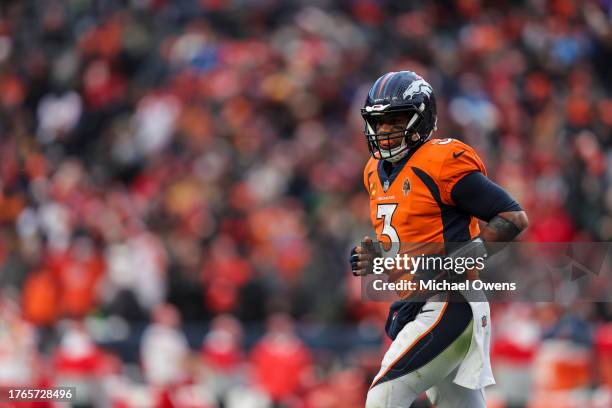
(482, 198)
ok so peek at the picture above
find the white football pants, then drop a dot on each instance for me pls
(424, 357)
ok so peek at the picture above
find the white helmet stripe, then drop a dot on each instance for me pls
(412, 120)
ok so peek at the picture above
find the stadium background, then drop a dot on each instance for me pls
(181, 182)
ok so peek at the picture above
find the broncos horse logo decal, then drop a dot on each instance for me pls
(417, 87)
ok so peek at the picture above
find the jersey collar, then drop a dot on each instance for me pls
(387, 180)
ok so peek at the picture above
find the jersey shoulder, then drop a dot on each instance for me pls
(371, 164)
(447, 161)
(443, 147)
(443, 157)
(369, 169)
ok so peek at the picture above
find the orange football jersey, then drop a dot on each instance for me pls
(413, 205)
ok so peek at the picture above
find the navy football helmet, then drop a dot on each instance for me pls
(402, 97)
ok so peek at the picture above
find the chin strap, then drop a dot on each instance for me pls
(398, 156)
(411, 145)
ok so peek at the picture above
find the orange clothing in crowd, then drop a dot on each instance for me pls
(40, 299)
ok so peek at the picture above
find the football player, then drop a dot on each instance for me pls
(425, 190)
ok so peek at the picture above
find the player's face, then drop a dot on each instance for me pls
(391, 130)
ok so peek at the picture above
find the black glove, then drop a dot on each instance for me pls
(362, 256)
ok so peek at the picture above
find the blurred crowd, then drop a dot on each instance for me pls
(166, 162)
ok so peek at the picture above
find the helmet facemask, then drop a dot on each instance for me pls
(396, 143)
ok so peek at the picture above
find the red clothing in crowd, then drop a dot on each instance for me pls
(78, 279)
(280, 363)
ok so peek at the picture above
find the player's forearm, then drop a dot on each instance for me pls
(504, 227)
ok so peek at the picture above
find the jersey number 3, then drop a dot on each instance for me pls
(385, 211)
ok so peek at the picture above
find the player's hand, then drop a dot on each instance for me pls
(362, 257)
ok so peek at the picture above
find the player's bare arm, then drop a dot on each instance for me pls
(505, 219)
(505, 227)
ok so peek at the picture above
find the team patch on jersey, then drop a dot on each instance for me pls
(406, 187)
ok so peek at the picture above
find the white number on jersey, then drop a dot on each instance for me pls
(385, 211)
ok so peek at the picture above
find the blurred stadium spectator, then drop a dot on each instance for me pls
(281, 362)
(208, 154)
(164, 349)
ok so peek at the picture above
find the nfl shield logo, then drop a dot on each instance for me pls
(484, 321)
(386, 186)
